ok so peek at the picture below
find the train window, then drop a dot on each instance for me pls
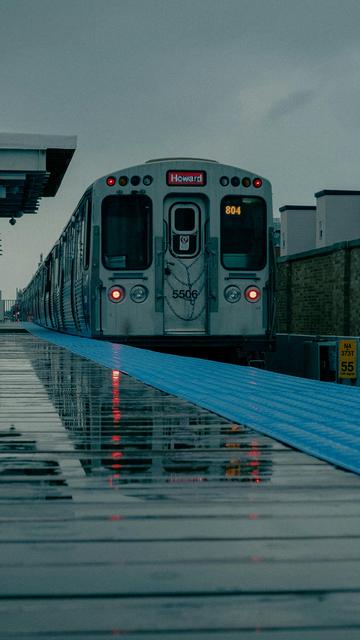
(65, 255)
(87, 233)
(184, 230)
(243, 232)
(184, 219)
(126, 231)
(60, 258)
(48, 271)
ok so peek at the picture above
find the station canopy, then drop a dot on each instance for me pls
(32, 166)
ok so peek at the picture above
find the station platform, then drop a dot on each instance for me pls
(12, 327)
(127, 511)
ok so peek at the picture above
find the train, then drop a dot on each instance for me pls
(174, 253)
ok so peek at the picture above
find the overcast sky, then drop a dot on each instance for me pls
(271, 86)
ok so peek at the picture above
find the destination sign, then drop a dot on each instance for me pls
(176, 178)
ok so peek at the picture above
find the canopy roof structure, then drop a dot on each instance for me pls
(32, 166)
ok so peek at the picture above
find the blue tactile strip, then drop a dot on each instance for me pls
(319, 418)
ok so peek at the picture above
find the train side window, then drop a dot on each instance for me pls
(126, 232)
(243, 237)
(60, 261)
(87, 233)
(63, 261)
(48, 271)
(67, 247)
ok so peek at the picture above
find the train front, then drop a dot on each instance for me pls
(184, 257)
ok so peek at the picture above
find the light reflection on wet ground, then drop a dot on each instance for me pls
(130, 433)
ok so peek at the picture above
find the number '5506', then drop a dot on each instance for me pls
(186, 294)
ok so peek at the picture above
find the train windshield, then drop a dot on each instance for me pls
(243, 232)
(126, 231)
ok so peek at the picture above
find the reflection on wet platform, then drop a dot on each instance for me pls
(127, 511)
(132, 433)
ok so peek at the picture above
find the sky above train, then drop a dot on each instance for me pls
(271, 86)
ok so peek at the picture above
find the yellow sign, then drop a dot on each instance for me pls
(347, 359)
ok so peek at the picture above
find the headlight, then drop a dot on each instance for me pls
(232, 293)
(116, 294)
(253, 294)
(139, 293)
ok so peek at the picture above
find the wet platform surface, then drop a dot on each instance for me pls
(129, 512)
(318, 418)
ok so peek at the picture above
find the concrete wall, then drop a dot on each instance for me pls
(318, 291)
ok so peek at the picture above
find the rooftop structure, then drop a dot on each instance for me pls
(298, 229)
(338, 216)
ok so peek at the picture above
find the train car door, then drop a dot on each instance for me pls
(185, 289)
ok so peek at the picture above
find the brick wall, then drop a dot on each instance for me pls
(318, 291)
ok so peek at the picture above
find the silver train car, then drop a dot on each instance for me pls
(170, 253)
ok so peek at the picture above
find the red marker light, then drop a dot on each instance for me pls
(252, 294)
(110, 181)
(257, 182)
(116, 294)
